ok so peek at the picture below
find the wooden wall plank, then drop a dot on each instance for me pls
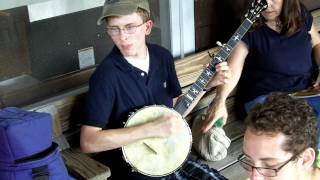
(316, 18)
(190, 68)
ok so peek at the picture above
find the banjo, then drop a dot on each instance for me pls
(157, 157)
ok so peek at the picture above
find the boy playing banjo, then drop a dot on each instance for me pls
(133, 75)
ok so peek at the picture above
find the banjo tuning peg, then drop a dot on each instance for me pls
(210, 54)
(219, 44)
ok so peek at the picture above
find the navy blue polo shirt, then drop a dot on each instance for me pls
(117, 88)
(276, 62)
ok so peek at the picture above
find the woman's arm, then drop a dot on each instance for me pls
(315, 41)
(218, 109)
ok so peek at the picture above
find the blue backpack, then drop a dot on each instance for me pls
(27, 151)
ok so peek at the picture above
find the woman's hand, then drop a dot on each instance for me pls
(316, 84)
(215, 112)
(222, 75)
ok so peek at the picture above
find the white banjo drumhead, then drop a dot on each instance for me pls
(157, 156)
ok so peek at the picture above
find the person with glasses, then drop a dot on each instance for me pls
(133, 75)
(280, 140)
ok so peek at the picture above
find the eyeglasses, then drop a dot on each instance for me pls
(129, 29)
(267, 172)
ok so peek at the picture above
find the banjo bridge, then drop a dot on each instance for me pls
(150, 148)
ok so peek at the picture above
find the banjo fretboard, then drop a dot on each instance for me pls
(201, 83)
(256, 7)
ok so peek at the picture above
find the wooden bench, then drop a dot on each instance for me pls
(65, 107)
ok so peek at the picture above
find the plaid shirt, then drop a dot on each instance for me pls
(192, 170)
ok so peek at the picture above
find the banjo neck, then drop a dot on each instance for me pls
(201, 83)
(197, 88)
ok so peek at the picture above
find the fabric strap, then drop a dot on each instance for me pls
(40, 173)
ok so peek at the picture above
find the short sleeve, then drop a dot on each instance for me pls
(99, 100)
(309, 20)
(174, 85)
(247, 39)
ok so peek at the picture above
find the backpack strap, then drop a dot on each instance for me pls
(40, 173)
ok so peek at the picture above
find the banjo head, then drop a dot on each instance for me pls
(157, 157)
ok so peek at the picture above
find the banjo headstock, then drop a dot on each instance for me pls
(256, 7)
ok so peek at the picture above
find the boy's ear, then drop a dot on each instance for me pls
(308, 157)
(149, 25)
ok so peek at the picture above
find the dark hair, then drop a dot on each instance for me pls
(292, 17)
(283, 114)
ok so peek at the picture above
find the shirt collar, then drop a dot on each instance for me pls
(119, 60)
(123, 64)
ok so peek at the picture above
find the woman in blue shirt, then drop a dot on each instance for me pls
(275, 56)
